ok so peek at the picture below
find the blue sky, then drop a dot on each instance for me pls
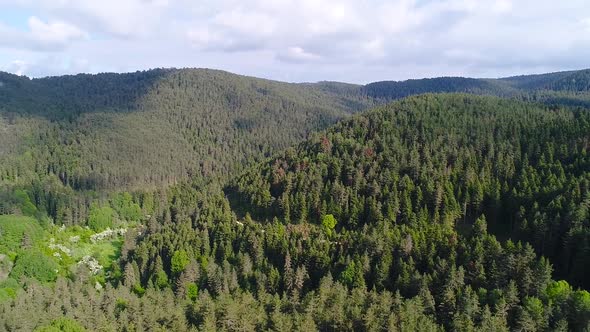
(14, 16)
(306, 40)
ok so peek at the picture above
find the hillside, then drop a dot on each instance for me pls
(409, 189)
(154, 127)
(146, 130)
(85, 137)
(523, 167)
(561, 88)
(401, 89)
(385, 221)
(577, 80)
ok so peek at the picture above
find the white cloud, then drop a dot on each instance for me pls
(120, 18)
(502, 6)
(297, 54)
(47, 66)
(18, 67)
(40, 36)
(54, 33)
(351, 40)
(247, 23)
(374, 48)
(235, 30)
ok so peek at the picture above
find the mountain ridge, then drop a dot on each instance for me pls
(112, 132)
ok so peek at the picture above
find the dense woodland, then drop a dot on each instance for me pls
(83, 135)
(176, 203)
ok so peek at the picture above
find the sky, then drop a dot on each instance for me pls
(357, 41)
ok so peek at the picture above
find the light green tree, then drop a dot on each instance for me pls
(179, 261)
(100, 218)
(328, 224)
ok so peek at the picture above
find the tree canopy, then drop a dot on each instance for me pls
(200, 200)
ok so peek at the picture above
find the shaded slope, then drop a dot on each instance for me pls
(578, 80)
(65, 97)
(561, 88)
(401, 89)
(114, 131)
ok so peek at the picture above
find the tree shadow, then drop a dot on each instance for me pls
(66, 97)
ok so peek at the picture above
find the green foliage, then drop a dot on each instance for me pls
(100, 218)
(558, 291)
(7, 293)
(566, 88)
(63, 324)
(407, 213)
(166, 126)
(8, 289)
(14, 228)
(582, 301)
(535, 308)
(328, 224)
(138, 289)
(126, 208)
(401, 89)
(139, 131)
(161, 279)
(34, 264)
(121, 304)
(192, 291)
(480, 227)
(580, 310)
(24, 203)
(352, 276)
(417, 189)
(179, 262)
(513, 164)
(29, 246)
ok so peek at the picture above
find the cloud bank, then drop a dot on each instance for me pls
(307, 40)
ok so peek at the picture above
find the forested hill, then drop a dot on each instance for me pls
(84, 136)
(402, 199)
(65, 97)
(384, 222)
(577, 80)
(401, 89)
(563, 88)
(138, 130)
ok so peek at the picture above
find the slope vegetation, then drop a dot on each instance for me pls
(379, 223)
(111, 132)
(85, 136)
